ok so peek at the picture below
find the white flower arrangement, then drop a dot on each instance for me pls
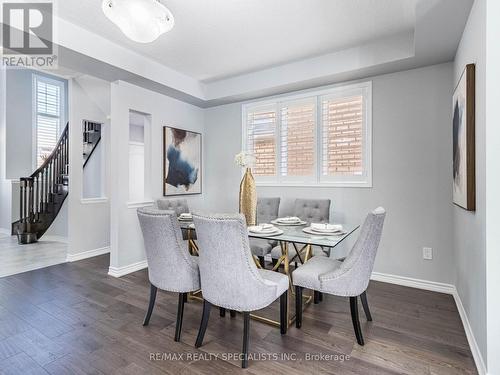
(244, 159)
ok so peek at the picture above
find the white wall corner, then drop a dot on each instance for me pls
(125, 270)
(87, 254)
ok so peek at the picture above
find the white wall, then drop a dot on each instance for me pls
(493, 185)
(411, 171)
(127, 249)
(469, 227)
(19, 131)
(89, 227)
(5, 186)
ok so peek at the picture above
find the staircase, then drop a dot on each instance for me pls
(43, 193)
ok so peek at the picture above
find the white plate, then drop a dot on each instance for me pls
(276, 232)
(276, 222)
(308, 230)
(326, 230)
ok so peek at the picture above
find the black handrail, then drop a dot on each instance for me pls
(63, 137)
(38, 190)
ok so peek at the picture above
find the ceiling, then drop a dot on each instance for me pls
(215, 39)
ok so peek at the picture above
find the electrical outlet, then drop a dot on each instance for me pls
(427, 253)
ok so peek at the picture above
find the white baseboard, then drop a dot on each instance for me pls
(87, 254)
(476, 353)
(122, 271)
(414, 283)
(441, 288)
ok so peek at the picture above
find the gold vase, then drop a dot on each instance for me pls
(248, 198)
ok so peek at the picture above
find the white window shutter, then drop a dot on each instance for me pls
(342, 136)
(297, 139)
(261, 139)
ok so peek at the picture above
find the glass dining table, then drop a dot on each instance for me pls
(289, 235)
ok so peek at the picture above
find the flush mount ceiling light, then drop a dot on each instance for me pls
(143, 21)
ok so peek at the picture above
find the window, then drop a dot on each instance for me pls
(319, 138)
(48, 111)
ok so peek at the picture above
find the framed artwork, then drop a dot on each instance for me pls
(464, 158)
(181, 162)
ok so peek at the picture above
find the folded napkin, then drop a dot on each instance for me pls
(262, 228)
(320, 227)
(289, 219)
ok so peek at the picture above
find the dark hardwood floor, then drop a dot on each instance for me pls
(74, 319)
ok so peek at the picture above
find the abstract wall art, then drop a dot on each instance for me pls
(181, 161)
(464, 172)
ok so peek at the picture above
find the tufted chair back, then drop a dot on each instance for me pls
(353, 275)
(179, 205)
(170, 266)
(229, 276)
(312, 210)
(267, 209)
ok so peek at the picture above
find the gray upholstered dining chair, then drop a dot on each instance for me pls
(311, 211)
(170, 267)
(267, 210)
(229, 277)
(349, 278)
(179, 206)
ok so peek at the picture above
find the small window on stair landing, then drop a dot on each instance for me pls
(92, 160)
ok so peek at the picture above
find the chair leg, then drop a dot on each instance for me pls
(274, 261)
(203, 324)
(316, 297)
(262, 262)
(246, 338)
(185, 297)
(222, 312)
(364, 301)
(152, 299)
(283, 310)
(320, 295)
(355, 320)
(298, 306)
(180, 313)
(232, 313)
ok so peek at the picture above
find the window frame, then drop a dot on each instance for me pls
(363, 89)
(62, 111)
